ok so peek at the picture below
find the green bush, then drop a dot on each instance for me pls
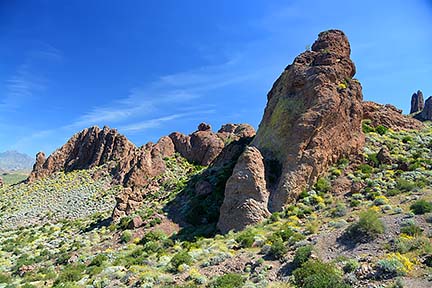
(180, 258)
(72, 273)
(230, 280)
(278, 248)
(317, 274)
(98, 260)
(365, 168)
(411, 229)
(152, 236)
(246, 238)
(126, 236)
(380, 129)
(302, 255)
(351, 265)
(367, 228)
(391, 267)
(322, 185)
(405, 185)
(421, 207)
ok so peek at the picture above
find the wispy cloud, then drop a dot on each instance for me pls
(27, 80)
(157, 122)
(177, 91)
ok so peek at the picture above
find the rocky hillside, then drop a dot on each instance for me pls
(330, 191)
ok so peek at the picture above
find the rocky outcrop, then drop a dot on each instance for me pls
(1, 182)
(389, 116)
(417, 102)
(203, 145)
(312, 118)
(89, 148)
(246, 195)
(426, 113)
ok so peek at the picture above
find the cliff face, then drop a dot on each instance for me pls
(312, 118)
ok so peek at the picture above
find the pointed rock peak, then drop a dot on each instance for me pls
(334, 41)
(417, 102)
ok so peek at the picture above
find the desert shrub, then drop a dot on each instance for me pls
(152, 236)
(285, 233)
(405, 185)
(380, 129)
(302, 255)
(246, 238)
(367, 127)
(411, 229)
(340, 210)
(394, 265)
(365, 168)
(421, 207)
(98, 260)
(351, 265)
(180, 258)
(407, 139)
(373, 159)
(70, 274)
(124, 222)
(230, 280)
(322, 185)
(367, 228)
(278, 248)
(126, 236)
(5, 278)
(317, 274)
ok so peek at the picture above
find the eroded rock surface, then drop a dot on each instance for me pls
(426, 113)
(203, 145)
(417, 102)
(389, 116)
(312, 118)
(246, 195)
(89, 148)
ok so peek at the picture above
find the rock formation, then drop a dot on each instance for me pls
(312, 118)
(136, 167)
(203, 146)
(89, 148)
(246, 194)
(1, 182)
(417, 102)
(426, 113)
(389, 116)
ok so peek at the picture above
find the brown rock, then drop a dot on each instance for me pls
(204, 127)
(89, 148)
(417, 102)
(203, 146)
(136, 222)
(389, 116)
(426, 114)
(341, 185)
(246, 195)
(203, 188)
(383, 156)
(312, 118)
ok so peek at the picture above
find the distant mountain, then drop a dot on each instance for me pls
(14, 160)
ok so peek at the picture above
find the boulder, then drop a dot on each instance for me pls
(246, 195)
(389, 116)
(384, 156)
(417, 102)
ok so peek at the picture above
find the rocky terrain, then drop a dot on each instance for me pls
(330, 191)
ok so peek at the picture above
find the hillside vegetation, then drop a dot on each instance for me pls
(56, 232)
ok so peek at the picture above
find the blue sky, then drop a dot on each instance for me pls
(152, 67)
